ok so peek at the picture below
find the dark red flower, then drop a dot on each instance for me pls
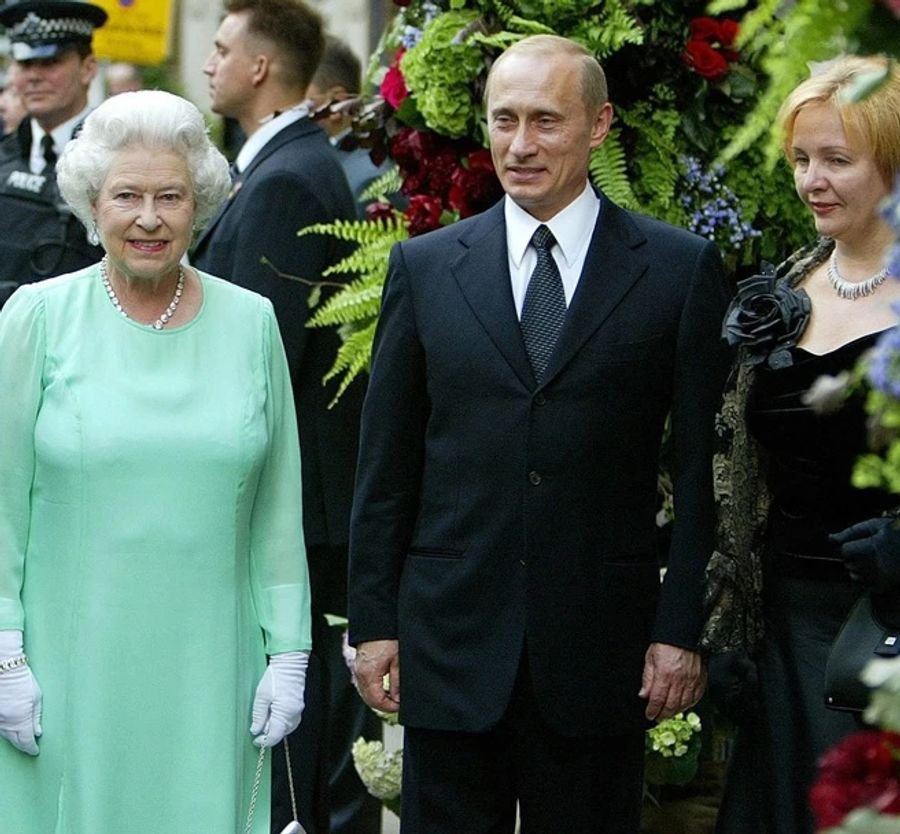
(704, 60)
(393, 87)
(728, 31)
(704, 29)
(402, 2)
(861, 770)
(423, 214)
(379, 211)
(475, 186)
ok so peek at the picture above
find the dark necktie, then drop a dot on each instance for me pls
(48, 150)
(544, 308)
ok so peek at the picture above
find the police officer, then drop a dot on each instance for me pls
(51, 47)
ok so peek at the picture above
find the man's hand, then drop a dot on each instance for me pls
(871, 552)
(374, 660)
(674, 680)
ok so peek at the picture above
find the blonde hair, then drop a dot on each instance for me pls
(873, 120)
(593, 79)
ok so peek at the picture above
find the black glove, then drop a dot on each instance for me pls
(871, 553)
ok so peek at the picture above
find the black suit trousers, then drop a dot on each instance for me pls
(470, 783)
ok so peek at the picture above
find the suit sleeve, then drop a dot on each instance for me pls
(278, 571)
(701, 364)
(275, 206)
(391, 457)
(22, 352)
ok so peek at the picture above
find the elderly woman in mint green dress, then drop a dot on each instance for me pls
(151, 547)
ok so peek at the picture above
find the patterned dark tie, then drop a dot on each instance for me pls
(544, 308)
(48, 150)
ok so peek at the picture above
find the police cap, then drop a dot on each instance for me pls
(39, 29)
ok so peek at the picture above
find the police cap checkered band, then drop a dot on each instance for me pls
(38, 29)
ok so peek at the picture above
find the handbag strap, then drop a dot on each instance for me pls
(257, 780)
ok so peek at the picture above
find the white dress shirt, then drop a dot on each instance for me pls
(270, 127)
(572, 228)
(61, 135)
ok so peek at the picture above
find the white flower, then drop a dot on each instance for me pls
(379, 770)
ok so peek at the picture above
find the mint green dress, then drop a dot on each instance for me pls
(151, 549)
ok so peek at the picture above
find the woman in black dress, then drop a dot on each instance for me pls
(779, 585)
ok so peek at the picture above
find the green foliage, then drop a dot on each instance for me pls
(439, 71)
(609, 171)
(655, 158)
(608, 31)
(355, 308)
(809, 32)
(385, 185)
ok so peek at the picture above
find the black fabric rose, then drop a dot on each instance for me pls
(766, 319)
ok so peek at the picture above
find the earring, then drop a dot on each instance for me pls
(93, 235)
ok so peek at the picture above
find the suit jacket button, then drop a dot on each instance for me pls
(535, 478)
(540, 399)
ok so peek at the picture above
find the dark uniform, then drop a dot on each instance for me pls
(39, 235)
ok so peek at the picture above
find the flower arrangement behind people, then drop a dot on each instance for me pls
(681, 82)
(858, 789)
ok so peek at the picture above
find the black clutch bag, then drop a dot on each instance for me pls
(865, 635)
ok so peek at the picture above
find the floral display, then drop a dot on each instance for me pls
(672, 748)
(858, 787)
(682, 82)
(380, 771)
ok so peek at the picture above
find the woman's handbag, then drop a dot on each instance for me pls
(292, 827)
(863, 636)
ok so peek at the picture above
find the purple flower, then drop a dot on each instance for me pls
(884, 367)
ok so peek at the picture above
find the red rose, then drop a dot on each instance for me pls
(704, 29)
(704, 60)
(861, 770)
(728, 31)
(475, 186)
(423, 214)
(393, 87)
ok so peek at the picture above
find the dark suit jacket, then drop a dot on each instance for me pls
(492, 512)
(294, 181)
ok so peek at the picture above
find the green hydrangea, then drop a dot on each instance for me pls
(379, 770)
(671, 738)
(439, 72)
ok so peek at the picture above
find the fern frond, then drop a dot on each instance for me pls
(388, 183)
(371, 257)
(607, 32)
(722, 6)
(609, 171)
(358, 302)
(353, 357)
(363, 232)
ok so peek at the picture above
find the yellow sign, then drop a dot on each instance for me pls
(138, 31)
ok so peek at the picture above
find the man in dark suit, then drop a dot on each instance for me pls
(53, 69)
(289, 177)
(503, 569)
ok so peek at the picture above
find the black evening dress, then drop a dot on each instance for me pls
(807, 591)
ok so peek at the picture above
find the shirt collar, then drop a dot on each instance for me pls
(572, 227)
(269, 127)
(61, 134)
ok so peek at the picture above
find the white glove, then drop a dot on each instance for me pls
(278, 704)
(20, 697)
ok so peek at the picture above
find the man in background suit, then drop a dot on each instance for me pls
(289, 177)
(339, 78)
(53, 68)
(503, 568)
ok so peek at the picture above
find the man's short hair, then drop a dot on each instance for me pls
(293, 27)
(339, 67)
(593, 80)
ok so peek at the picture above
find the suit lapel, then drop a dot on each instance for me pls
(292, 133)
(482, 273)
(613, 264)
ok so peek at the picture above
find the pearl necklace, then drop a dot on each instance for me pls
(163, 320)
(852, 290)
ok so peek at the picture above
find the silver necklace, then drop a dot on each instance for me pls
(163, 320)
(852, 290)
